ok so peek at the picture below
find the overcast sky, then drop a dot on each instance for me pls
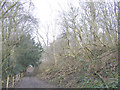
(46, 9)
(47, 12)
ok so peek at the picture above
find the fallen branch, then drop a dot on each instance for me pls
(102, 79)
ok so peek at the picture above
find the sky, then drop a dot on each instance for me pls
(47, 12)
(46, 9)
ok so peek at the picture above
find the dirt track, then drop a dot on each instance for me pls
(33, 82)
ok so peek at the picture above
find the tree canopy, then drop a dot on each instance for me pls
(19, 48)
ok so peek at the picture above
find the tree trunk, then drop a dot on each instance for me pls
(7, 84)
(13, 81)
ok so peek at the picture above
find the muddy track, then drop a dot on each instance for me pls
(34, 82)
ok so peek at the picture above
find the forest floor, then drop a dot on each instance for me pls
(81, 77)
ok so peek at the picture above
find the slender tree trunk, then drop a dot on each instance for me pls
(54, 53)
(7, 84)
(13, 81)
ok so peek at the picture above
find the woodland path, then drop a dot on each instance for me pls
(34, 82)
(31, 81)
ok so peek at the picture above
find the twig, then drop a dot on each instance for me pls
(101, 79)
